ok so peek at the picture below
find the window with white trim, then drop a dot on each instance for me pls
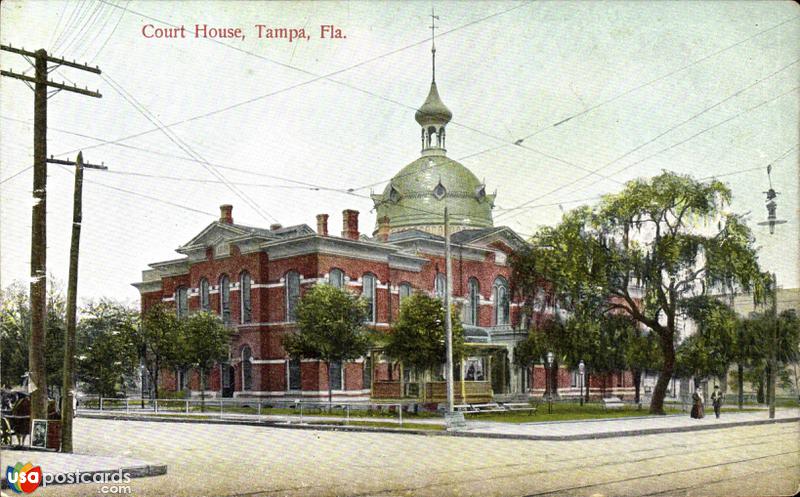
(294, 380)
(440, 285)
(368, 293)
(337, 375)
(473, 301)
(205, 302)
(225, 299)
(501, 304)
(247, 368)
(292, 295)
(336, 278)
(404, 290)
(182, 301)
(246, 311)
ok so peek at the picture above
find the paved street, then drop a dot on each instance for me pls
(220, 460)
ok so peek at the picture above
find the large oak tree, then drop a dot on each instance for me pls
(644, 251)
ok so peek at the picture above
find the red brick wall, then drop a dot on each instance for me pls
(268, 305)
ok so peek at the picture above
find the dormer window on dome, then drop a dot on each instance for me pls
(480, 192)
(440, 191)
(394, 195)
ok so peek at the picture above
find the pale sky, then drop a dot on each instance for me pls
(701, 88)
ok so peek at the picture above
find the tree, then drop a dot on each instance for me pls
(418, 337)
(158, 341)
(106, 353)
(645, 250)
(711, 349)
(207, 342)
(15, 329)
(641, 354)
(330, 328)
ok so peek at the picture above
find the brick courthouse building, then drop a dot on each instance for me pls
(253, 277)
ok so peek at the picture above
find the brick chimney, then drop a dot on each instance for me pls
(226, 213)
(322, 224)
(275, 226)
(350, 224)
(383, 229)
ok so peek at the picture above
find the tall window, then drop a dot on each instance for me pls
(292, 294)
(225, 299)
(205, 302)
(439, 285)
(336, 375)
(336, 278)
(247, 368)
(501, 303)
(404, 291)
(246, 314)
(369, 295)
(473, 301)
(366, 379)
(182, 301)
(294, 374)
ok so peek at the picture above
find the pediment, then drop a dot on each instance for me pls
(213, 236)
(503, 239)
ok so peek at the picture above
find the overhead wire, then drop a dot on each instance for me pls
(185, 147)
(580, 178)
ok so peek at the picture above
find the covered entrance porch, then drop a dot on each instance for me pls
(482, 372)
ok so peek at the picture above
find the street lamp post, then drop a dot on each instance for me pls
(549, 378)
(581, 370)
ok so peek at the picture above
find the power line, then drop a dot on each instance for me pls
(315, 78)
(142, 195)
(110, 35)
(15, 175)
(565, 185)
(189, 159)
(659, 78)
(185, 147)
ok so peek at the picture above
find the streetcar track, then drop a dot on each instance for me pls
(720, 480)
(654, 475)
(569, 459)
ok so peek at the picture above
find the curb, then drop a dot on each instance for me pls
(466, 434)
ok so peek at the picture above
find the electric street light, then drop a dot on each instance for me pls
(549, 378)
(581, 370)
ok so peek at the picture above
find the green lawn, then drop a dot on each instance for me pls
(566, 412)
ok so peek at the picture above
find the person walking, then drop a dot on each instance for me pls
(716, 399)
(697, 404)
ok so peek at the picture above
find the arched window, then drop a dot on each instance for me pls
(501, 303)
(225, 299)
(246, 311)
(404, 291)
(247, 368)
(473, 301)
(368, 293)
(336, 278)
(205, 302)
(440, 285)
(182, 301)
(292, 295)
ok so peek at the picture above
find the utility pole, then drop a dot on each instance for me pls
(773, 364)
(68, 384)
(448, 320)
(38, 285)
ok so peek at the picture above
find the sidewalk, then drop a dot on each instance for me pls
(542, 430)
(622, 427)
(59, 465)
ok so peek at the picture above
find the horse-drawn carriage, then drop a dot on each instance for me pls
(16, 416)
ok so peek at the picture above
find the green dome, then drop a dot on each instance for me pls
(417, 195)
